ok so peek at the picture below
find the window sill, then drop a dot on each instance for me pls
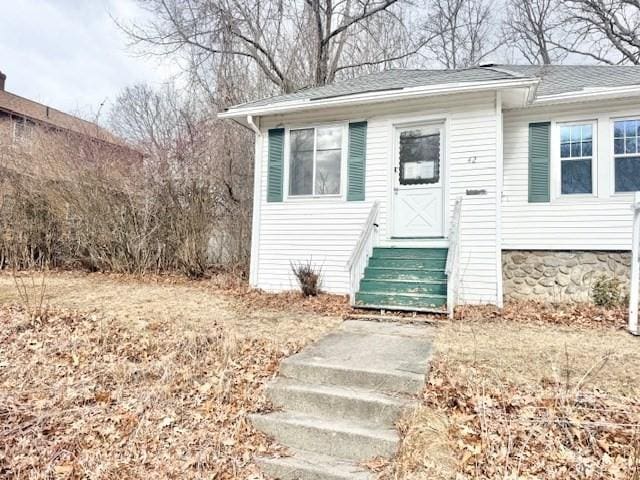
(313, 198)
(591, 199)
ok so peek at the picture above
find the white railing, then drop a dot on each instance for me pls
(453, 263)
(362, 251)
(635, 270)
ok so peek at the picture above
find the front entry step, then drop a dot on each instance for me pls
(399, 278)
(312, 466)
(340, 398)
(337, 438)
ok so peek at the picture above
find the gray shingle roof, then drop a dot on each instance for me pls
(554, 79)
(387, 80)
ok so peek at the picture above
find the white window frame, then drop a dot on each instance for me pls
(556, 160)
(343, 162)
(612, 154)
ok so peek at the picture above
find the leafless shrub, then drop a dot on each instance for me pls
(32, 295)
(308, 276)
(75, 202)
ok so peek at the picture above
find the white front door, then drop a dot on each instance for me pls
(417, 183)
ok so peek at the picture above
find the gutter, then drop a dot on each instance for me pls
(377, 96)
(588, 94)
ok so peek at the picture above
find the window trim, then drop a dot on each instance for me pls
(557, 160)
(343, 161)
(612, 155)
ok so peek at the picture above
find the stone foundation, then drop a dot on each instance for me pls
(560, 276)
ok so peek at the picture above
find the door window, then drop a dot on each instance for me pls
(419, 157)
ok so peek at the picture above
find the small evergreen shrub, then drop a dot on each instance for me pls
(308, 277)
(607, 292)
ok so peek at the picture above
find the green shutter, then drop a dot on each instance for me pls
(356, 161)
(539, 154)
(275, 167)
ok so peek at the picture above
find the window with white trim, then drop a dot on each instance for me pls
(576, 158)
(626, 155)
(315, 160)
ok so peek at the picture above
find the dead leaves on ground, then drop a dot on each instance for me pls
(86, 397)
(533, 312)
(551, 430)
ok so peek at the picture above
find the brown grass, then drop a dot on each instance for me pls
(153, 377)
(135, 379)
(173, 299)
(508, 399)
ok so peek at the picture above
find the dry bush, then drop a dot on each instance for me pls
(75, 202)
(33, 295)
(308, 276)
(607, 292)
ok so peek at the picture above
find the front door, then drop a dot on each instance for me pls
(417, 184)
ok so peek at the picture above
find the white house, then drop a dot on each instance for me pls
(417, 188)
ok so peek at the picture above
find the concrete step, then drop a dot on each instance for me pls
(341, 403)
(305, 465)
(382, 358)
(336, 438)
(377, 380)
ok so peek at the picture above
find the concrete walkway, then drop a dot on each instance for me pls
(340, 398)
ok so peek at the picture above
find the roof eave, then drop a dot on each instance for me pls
(601, 93)
(379, 96)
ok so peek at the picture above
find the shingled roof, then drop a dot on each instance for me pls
(37, 112)
(553, 80)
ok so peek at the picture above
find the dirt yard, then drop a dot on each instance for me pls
(126, 378)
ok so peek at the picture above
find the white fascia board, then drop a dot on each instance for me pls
(589, 94)
(381, 96)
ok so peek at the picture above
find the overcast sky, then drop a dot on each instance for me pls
(69, 54)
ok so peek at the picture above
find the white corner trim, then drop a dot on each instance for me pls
(499, 187)
(254, 261)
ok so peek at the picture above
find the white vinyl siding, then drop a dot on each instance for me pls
(601, 221)
(325, 230)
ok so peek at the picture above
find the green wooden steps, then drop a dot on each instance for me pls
(404, 279)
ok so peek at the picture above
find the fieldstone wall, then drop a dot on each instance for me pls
(559, 276)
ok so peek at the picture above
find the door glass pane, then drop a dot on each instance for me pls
(628, 174)
(419, 157)
(576, 176)
(301, 162)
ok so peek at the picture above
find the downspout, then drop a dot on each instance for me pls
(252, 125)
(254, 261)
(499, 185)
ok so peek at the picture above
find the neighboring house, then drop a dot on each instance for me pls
(473, 185)
(22, 121)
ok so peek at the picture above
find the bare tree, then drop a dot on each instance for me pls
(290, 43)
(461, 32)
(530, 27)
(604, 30)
